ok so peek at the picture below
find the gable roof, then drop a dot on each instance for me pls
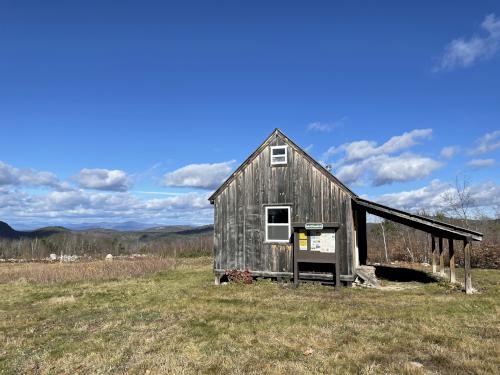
(278, 133)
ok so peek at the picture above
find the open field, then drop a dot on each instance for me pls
(81, 271)
(176, 321)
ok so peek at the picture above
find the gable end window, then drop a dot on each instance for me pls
(279, 155)
(278, 227)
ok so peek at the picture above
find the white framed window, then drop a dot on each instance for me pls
(278, 227)
(279, 155)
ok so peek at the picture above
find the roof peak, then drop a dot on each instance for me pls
(278, 132)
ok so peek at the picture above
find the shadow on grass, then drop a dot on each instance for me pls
(404, 275)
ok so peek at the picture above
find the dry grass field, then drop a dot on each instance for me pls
(82, 271)
(177, 322)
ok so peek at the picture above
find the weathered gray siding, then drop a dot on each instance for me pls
(240, 208)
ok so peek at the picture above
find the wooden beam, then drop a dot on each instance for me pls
(425, 224)
(451, 252)
(338, 284)
(362, 238)
(434, 263)
(441, 256)
(468, 276)
(295, 261)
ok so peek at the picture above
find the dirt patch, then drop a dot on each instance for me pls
(61, 300)
(398, 287)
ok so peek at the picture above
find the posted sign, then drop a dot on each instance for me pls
(302, 240)
(314, 226)
(323, 241)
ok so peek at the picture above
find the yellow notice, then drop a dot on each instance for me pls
(302, 240)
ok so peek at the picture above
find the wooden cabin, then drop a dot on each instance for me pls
(281, 214)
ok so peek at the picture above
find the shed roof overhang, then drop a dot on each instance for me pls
(435, 227)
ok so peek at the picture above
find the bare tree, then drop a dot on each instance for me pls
(385, 241)
(459, 199)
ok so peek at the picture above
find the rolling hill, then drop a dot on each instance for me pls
(7, 232)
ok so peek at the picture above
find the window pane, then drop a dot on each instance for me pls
(277, 216)
(279, 159)
(278, 151)
(278, 232)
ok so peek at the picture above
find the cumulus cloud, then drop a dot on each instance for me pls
(326, 127)
(463, 52)
(385, 169)
(204, 176)
(449, 152)
(103, 179)
(481, 163)
(433, 196)
(10, 175)
(109, 199)
(487, 143)
(75, 205)
(364, 149)
(365, 161)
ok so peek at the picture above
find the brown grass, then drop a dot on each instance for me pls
(178, 322)
(83, 271)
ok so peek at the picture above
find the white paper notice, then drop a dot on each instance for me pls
(323, 241)
(315, 240)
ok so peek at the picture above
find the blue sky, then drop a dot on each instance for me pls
(108, 108)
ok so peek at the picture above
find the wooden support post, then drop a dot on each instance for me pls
(217, 279)
(361, 236)
(296, 275)
(296, 249)
(441, 257)
(336, 268)
(434, 263)
(468, 277)
(451, 252)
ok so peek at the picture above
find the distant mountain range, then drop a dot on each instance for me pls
(7, 232)
(124, 226)
(139, 230)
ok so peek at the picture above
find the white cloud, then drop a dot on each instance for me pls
(77, 205)
(326, 127)
(63, 204)
(364, 161)
(449, 152)
(10, 175)
(465, 52)
(402, 168)
(204, 176)
(385, 169)
(191, 200)
(103, 179)
(433, 196)
(363, 149)
(481, 163)
(487, 143)
(309, 148)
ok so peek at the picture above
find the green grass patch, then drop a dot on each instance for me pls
(177, 321)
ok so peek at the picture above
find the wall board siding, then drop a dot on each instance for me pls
(239, 238)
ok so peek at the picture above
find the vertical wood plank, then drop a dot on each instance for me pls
(468, 276)
(349, 238)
